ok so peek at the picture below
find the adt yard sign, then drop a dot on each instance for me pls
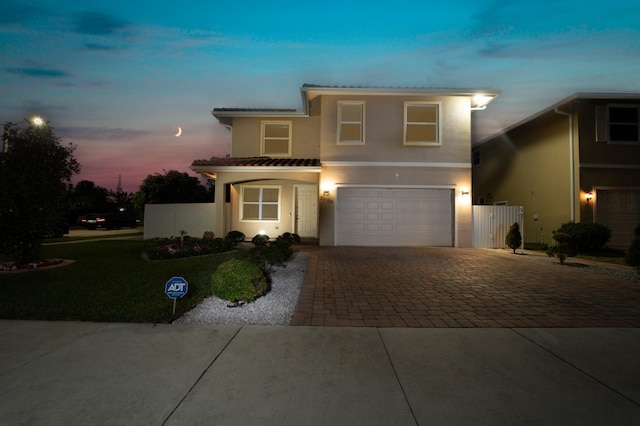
(176, 287)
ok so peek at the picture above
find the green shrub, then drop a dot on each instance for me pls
(267, 253)
(183, 246)
(238, 280)
(292, 238)
(260, 240)
(633, 254)
(513, 240)
(586, 236)
(536, 246)
(563, 248)
(221, 245)
(235, 238)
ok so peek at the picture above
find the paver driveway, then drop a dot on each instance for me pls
(456, 287)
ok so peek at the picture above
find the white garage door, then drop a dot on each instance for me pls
(620, 211)
(394, 217)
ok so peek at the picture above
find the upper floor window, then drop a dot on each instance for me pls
(351, 123)
(623, 124)
(260, 203)
(276, 139)
(421, 123)
(617, 123)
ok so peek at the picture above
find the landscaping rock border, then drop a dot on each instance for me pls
(274, 308)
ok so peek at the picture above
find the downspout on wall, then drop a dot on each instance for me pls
(572, 166)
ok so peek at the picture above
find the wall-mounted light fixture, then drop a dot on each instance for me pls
(479, 101)
(465, 192)
(325, 193)
(589, 197)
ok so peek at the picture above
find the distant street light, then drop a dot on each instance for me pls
(37, 121)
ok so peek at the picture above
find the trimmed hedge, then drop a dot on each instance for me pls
(586, 236)
(238, 280)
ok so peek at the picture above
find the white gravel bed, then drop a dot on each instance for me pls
(275, 308)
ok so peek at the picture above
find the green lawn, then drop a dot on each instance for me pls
(109, 281)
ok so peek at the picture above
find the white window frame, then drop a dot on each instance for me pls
(361, 141)
(264, 139)
(437, 123)
(260, 203)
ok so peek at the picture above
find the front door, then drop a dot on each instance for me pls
(306, 223)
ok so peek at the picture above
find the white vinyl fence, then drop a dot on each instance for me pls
(491, 224)
(167, 220)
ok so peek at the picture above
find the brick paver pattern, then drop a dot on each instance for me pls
(457, 287)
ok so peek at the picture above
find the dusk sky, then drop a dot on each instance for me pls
(118, 78)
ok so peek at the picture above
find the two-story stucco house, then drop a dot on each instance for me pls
(577, 160)
(355, 166)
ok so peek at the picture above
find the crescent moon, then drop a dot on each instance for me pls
(179, 132)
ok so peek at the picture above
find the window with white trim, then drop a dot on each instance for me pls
(276, 139)
(421, 123)
(351, 123)
(260, 203)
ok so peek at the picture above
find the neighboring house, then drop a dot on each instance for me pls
(578, 160)
(356, 166)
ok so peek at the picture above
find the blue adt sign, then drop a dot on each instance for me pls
(176, 287)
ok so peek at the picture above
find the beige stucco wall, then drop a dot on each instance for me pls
(446, 165)
(530, 167)
(228, 214)
(384, 146)
(246, 136)
(384, 131)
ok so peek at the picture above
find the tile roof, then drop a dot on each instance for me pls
(258, 162)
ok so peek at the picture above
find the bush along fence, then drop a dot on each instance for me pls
(186, 246)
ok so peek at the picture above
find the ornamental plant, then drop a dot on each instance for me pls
(267, 254)
(514, 237)
(238, 281)
(563, 248)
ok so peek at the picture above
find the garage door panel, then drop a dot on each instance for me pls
(619, 209)
(395, 217)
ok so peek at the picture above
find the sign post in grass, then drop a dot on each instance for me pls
(176, 288)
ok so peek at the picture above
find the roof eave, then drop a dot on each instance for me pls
(561, 104)
(262, 169)
(311, 91)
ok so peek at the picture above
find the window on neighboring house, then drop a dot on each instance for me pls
(617, 124)
(476, 157)
(421, 123)
(351, 123)
(260, 203)
(276, 139)
(623, 124)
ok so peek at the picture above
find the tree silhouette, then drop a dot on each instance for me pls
(35, 171)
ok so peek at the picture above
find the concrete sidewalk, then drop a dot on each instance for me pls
(77, 373)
